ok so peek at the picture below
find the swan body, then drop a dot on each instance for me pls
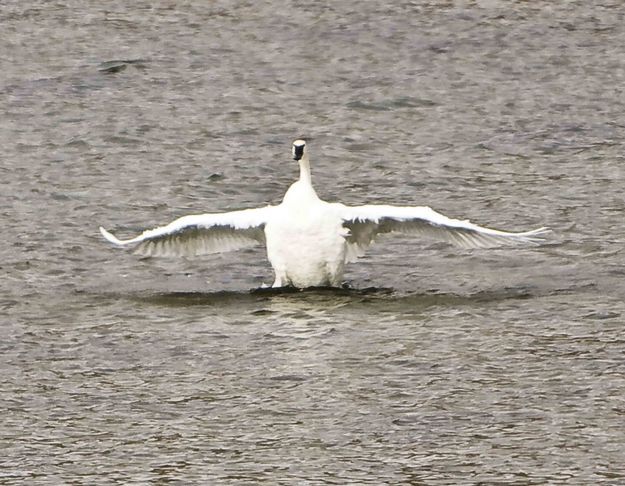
(309, 240)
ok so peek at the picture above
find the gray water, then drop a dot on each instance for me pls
(436, 366)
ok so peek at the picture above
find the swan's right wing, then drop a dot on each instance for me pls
(201, 234)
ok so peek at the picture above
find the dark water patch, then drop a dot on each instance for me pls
(184, 299)
(391, 104)
(228, 298)
(119, 65)
(330, 297)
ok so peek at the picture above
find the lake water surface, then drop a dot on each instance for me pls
(437, 366)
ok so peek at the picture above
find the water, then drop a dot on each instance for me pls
(438, 366)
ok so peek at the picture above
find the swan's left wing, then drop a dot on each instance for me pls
(366, 222)
(201, 234)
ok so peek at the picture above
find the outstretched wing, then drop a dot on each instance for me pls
(366, 222)
(201, 234)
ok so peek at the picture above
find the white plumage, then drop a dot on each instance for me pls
(308, 240)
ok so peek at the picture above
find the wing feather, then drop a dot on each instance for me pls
(201, 234)
(367, 222)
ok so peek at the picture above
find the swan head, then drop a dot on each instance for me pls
(299, 149)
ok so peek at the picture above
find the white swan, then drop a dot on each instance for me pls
(308, 240)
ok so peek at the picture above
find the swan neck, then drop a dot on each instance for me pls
(304, 169)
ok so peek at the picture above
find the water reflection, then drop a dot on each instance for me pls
(329, 298)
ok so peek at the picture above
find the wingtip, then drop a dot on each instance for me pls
(540, 232)
(109, 237)
(537, 236)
